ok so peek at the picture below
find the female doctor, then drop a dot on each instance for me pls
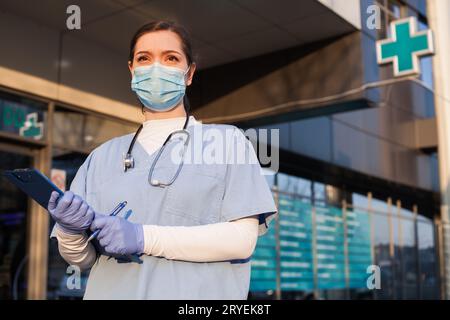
(192, 225)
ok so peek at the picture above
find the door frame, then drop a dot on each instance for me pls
(38, 236)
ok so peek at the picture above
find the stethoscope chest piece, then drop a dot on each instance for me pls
(155, 182)
(128, 162)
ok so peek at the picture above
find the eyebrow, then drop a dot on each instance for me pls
(165, 51)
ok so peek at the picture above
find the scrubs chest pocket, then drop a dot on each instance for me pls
(195, 195)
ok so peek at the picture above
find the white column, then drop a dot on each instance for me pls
(439, 21)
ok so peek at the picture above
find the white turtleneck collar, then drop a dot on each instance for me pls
(155, 132)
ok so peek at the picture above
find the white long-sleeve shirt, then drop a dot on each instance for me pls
(206, 243)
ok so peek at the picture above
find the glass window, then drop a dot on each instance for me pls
(393, 13)
(80, 131)
(382, 254)
(426, 63)
(296, 245)
(427, 260)
(379, 205)
(396, 256)
(320, 193)
(13, 230)
(360, 201)
(294, 185)
(409, 255)
(313, 264)
(359, 252)
(390, 10)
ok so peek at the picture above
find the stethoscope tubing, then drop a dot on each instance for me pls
(129, 160)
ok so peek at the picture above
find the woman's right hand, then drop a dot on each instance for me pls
(71, 212)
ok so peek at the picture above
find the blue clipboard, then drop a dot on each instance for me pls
(39, 187)
(33, 183)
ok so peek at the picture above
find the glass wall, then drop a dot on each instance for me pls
(76, 130)
(428, 270)
(13, 230)
(333, 242)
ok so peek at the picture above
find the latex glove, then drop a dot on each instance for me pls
(118, 236)
(71, 212)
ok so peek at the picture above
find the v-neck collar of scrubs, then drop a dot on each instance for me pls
(143, 159)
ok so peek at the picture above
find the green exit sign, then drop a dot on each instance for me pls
(405, 47)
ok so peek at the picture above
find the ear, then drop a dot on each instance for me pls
(190, 74)
(130, 67)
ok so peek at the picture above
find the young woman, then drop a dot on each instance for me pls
(189, 227)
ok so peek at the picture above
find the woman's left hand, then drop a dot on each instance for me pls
(118, 236)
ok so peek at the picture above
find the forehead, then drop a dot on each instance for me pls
(158, 41)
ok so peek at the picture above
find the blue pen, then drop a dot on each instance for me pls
(128, 214)
(115, 212)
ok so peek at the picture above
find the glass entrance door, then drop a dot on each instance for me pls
(13, 228)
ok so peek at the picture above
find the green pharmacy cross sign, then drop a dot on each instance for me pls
(405, 47)
(31, 127)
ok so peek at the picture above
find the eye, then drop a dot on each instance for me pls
(173, 59)
(142, 59)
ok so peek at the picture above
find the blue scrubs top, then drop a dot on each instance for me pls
(202, 194)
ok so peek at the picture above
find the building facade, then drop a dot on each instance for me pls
(359, 182)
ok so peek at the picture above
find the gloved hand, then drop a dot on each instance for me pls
(72, 213)
(119, 236)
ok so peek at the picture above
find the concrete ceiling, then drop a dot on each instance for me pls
(222, 30)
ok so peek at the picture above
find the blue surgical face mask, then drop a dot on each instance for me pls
(159, 87)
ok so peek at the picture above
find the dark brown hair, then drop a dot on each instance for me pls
(166, 26)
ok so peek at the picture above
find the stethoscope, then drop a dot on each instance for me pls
(128, 161)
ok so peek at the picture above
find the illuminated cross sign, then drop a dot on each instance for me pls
(405, 47)
(31, 127)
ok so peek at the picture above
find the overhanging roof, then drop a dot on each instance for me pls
(223, 31)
